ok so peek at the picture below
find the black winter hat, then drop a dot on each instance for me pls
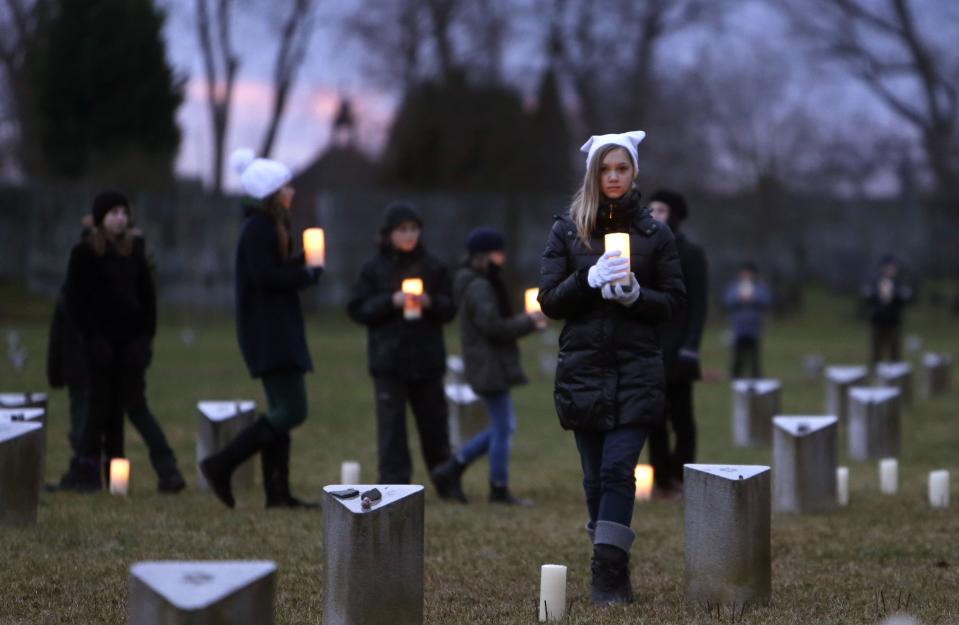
(104, 202)
(484, 239)
(398, 213)
(678, 211)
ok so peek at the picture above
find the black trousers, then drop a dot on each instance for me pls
(886, 343)
(746, 358)
(428, 402)
(668, 464)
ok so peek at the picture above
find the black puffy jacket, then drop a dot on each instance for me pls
(685, 329)
(399, 348)
(610, 369)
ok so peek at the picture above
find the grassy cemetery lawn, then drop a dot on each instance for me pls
(482, 562)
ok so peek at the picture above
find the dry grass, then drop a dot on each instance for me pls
(481, 561)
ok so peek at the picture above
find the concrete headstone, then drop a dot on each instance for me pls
(898, 375)
(755, 402)
(805, 459)
(838, 381)
(21, 444)
(202, 593)
(936, 374)
(873, 426)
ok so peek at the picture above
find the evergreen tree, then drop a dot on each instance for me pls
(106, 95)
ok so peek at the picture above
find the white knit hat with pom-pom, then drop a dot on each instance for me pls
(260, 177)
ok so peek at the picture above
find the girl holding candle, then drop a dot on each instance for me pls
(406, 354)
(609, 379)
(269, 320)
(489, 330)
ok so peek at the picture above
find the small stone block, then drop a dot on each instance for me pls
(805, 458)
(202, 593)
(898, 375)
(873, 422)
(755, 403)
(23, 400)
(467, 415)
(726, 534)
(21, 445)
(374, 557)
(838, 382)
(218, 424)
(36, 414)
(936, 374)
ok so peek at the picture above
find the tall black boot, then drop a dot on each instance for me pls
(275, 461)
(447, 478)
(218, 468)
(610, 568)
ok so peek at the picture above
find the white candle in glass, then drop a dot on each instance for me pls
(412, 287)
(888, 476)
(552, 592)
(644, 482)
(314, 247)
(350, 472)
(939, 489)
(619, 241)
(532, 303)
(842, 485)
(119, 476)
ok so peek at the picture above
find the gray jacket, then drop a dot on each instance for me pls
(488, 339)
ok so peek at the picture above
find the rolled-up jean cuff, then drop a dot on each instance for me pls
(609, 533)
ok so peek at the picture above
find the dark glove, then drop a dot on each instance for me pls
(138, 353)
(688, 364)
(315, 273)
(99, 351)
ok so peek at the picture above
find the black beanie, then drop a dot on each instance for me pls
(678, 211)
(484, 239)
(104, 202)
(398, 213)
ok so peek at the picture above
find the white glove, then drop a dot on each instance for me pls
(609, 268)
(618, 294)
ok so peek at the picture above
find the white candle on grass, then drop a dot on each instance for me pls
(842, 485)
(888, 476)
(119, 476)
(350, 472)
(644, 482)
(552, 592)
(939, 489)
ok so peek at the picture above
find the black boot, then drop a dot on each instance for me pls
(610, 568)
(447, 479)
(275, 461)
(169, 479)
(218, 468)
(501, 495)
(82, 476)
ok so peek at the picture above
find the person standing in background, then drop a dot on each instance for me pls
(885, 297)
(746, 300)
(681, 337)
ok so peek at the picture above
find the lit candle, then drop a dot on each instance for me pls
(888, 476)
(552, 592)
(119, 476)
(644, 482)
(842, 485)
(619, 241)
(350, 472)
(314, 247)
(939, 489)
(532, 303)
(412, 287)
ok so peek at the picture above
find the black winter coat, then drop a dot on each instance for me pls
(610, 369)
(398, 348)
(684, 330)
(269, 320)
(886, 312)
(490, 352)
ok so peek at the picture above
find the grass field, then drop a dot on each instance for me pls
(482, 562)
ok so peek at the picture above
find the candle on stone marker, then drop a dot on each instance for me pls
(350, 472)
(532, 304)
(888, 476)
(119, 476)
(411, 307)
(619, 241)
(314, 247)
(842, 485)
(939, 489)
(644, 482)
(552, 592)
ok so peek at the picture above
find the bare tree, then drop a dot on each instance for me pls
(294, 40)
(220, 62)
(885, 49)
(392, 40)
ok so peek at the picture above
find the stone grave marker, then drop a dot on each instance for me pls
(805, 459)
(898, 375)
(217, 592)
(21, 443)
(374, 556)
(218, 424)
(755, 403)
(873, 422)
(935, 374)
(838, 381)
(726, 535)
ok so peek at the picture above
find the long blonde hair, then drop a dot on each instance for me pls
(585, 204)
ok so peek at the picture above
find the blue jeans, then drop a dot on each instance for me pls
(609, 461)
(495, 439)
